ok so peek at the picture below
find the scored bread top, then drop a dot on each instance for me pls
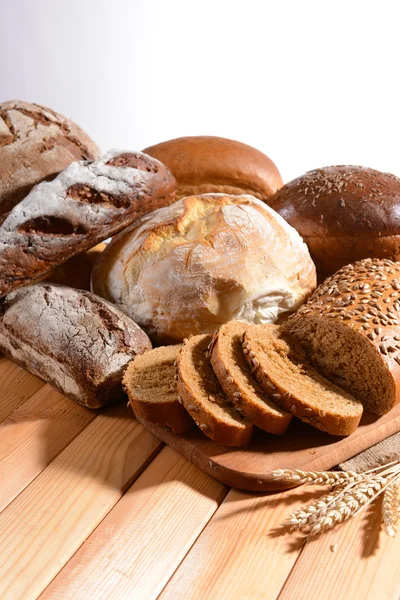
(151, 386)
(203, 397)
(280, 365)
(350, 330)
(238, 383)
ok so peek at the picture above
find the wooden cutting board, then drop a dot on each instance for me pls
(301, 447)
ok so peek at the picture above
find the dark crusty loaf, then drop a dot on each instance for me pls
(75, 341)
(280, 365)
(36, 143)
(238, 383)
(85, 204)
(204, 399)
(150, 382)
(350, 331)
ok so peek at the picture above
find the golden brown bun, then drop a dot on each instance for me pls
(202, 261)
(203, 164)
(344, 214)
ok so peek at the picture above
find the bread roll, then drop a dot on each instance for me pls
(36, 143)
(202, 164)
(204, 260)
(344, 214)
(350, 331)
(78, 343)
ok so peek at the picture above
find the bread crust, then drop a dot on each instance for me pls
(344, 214)
(75, 341)
(204, 164)
(36, 143)
(83, 205)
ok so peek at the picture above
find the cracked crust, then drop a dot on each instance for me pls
(75, 341)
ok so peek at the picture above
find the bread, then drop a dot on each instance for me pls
(77, 270)
(36, 143)
(85, 204)
(75, 341)
(204, 399)
(350, 331)
(344, 214)
(188, 268)
(234, 375)
(203, 164)
(280, 365)
(150, 382)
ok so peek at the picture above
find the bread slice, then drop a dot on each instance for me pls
(152, 390)
(234, 375)
(204, 399)
(280, 365)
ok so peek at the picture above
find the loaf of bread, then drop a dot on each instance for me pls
(75, 341)
(36, 143)
(203, 261)
(344, 214)
(85, 204)
(350, 331)
(203, 164)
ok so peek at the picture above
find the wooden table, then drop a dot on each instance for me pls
(93, 506)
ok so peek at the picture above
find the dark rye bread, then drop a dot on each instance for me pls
(204, 399)
(281, 367)
(350, 331)
(234, 375)
(75, 341)
(83, 205)
(151, 386)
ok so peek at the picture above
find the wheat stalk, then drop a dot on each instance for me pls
(391, 508)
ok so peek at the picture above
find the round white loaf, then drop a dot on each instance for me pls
(204, 260)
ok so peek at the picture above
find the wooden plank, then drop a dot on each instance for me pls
(16, 386)
(147, 534)
(301, 447)
(365, 563)
(241, 553)
(52, 517)
(33, 435)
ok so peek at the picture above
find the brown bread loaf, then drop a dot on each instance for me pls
(85, 204)
(204, 399)
(75, 341)
(238, 383)
(203, 164)
(350, 331)
(151, 386)
(36, 143)
(344, 214)
(281, 367)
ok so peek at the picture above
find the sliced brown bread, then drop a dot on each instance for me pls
(204, 399)
(234, 375)
(280, 365)
(152, 389)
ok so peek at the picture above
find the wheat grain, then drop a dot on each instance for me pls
(391, 508)
(314, 477)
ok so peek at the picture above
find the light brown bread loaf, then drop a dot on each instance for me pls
(204, 399)
(281, 367)
(75, 341)
(350, 331)
(151, 386)
(238, 383)
(204, 164)
(36, 143)
(82, 206)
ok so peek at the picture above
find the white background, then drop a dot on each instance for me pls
(309, 83)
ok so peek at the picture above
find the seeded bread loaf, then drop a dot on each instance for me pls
(238, 383)
(350, 331)
(85, 204)
(151, 386)
(203, 164)
(36, 143)
(280, 365)
(75, 341)
(204, 399)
